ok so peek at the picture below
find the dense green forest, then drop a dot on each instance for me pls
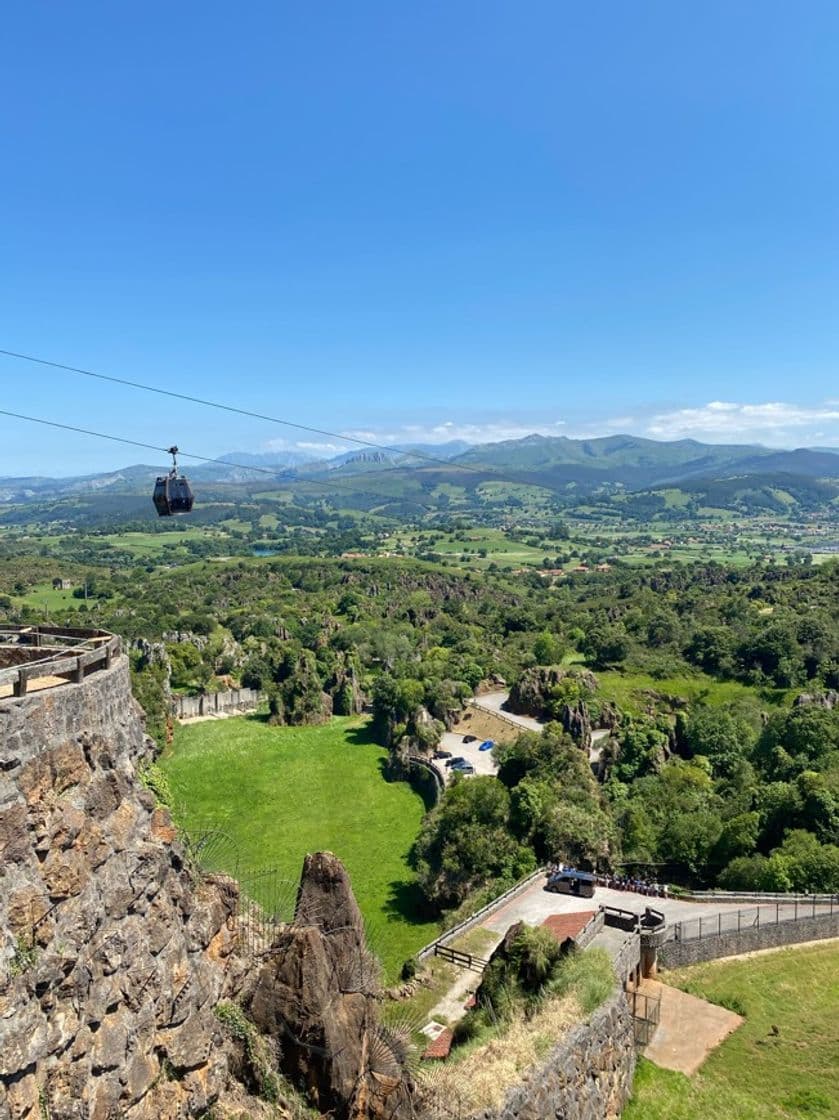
(717, 770)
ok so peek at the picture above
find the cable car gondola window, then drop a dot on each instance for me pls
(172, 493)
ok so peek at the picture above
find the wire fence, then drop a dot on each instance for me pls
(735, 921)
(267, 904)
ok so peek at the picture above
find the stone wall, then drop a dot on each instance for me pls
(628, 957)
(588, 1076)
(675, 954)
(217, 703)
(111, 955)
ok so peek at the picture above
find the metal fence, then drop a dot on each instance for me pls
(645, 1010)
(734, 921)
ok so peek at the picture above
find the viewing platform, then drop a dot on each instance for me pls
(34, 658)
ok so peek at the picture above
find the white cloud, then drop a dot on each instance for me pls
(489, 432)
(774, 421)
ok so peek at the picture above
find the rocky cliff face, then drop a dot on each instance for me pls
(112, 956)
(564, 695)
(316, 996)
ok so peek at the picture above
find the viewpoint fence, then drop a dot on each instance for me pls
(37, 653)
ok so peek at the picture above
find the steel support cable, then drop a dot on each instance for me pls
(245, 412)
(278, 475)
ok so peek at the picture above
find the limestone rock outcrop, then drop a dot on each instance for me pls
(316, 996)
(564, 695)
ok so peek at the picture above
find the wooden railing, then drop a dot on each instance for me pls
(52, 651)
(464, 960)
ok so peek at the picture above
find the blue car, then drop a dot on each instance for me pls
(487, 745)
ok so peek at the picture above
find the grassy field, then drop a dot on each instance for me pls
(42, 597)
(154, 545)
(280, 792)
(781, 1064)
(627, 689)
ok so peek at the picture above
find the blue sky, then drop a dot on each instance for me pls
(419, 221)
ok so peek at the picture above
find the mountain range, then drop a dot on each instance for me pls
(581, 466)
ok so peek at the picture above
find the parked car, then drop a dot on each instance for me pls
(571, 881)
(486, 745)
(442, 754)
(464, 768)
(470, 738)
(459, 761)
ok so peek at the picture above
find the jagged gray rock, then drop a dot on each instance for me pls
(316, 995)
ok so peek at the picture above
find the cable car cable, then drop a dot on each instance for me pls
(247, 412)
(277, 475)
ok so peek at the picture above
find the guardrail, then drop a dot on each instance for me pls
(485, 911)
(590, 930)
(435, 771)
(473, 702)
(756, 896)
(619, 918)
(652, 920)
(50, 651)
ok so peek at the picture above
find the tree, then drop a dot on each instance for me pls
(548, 649)
(466, 842)
(605, 645)
(719, 736)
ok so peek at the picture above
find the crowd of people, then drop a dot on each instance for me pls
(634, 883)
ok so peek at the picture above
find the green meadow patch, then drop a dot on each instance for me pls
(779, 1065)
(280, 792)
(632, 691)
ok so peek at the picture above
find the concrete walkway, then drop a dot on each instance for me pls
(689, 1028)
(452, 1006)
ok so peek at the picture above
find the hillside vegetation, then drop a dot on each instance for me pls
(711, 772)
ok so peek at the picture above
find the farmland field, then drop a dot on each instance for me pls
(280, 792)
(779, 1065)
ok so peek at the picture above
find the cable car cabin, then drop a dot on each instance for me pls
(172, 493)
(579, 883)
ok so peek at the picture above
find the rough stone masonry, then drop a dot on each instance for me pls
(111, 955)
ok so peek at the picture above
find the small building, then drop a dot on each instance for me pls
(60, 584)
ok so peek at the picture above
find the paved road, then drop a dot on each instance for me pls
(483, 761)
(535, 904)
(494, 701)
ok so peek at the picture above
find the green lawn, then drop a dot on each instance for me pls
(781, 1064)
(280, 792)
(628, 689)
(154, 545)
